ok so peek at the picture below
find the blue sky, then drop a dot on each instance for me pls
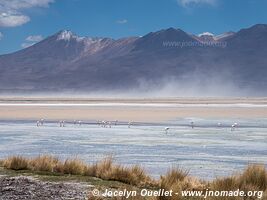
(24, 22)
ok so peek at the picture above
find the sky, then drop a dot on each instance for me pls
(25, 22)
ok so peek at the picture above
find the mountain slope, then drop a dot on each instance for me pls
(170, 60)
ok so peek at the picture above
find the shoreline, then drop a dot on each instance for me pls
(141, 110)
(142, 114)
(170, 100)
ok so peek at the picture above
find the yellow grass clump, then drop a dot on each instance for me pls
(74, 166)
(16, 163)
(177, 179)
(255, 175)
(105, 169)
(253, 178)
(134, 175)
(44, 163)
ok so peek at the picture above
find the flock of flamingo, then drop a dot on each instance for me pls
(104, 124)
(109, 124)
(192, 124)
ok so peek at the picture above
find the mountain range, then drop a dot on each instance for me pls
(166, 62)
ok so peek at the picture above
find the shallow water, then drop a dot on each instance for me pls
(207, 150)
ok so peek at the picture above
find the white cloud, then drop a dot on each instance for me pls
(186, 3)
(22, 4)
(122, 21)
(34, 38)
(12, 19)
(31, 40)
(11, 11)
(26, 45)
(1, 35)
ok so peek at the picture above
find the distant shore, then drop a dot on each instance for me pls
(130, 109)
(174, 100)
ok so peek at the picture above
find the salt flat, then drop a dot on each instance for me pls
(208, 150)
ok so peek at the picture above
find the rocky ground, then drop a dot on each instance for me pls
(28, 188)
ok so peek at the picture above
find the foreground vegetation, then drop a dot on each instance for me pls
(253, 178)
(105, 169)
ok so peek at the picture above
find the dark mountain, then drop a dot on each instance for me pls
(154, 41)
(168, 61)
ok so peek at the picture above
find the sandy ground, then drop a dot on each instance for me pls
(147, 110)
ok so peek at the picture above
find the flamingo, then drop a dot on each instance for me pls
(42, 122)
(166, 129)
(192, 125)
(61, 123)
(116, 122)
(234, 126)
(129, 124)
(104, 124)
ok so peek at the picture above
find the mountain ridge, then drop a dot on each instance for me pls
(187, 65)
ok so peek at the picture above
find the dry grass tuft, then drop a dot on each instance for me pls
(104, 169)
(255, 175)
(44, 163)
(173, 175)
(91, 170)
(176, 180)
(225, 184)
(107, 170)
(137, 175)
(253, 178)
(74, 166)
(16, 163)
(134, 175)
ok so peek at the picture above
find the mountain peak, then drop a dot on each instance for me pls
(68, 35)
(170, 33)
(256, 29)
(155, 40)
(171, 29)
(259, 26)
